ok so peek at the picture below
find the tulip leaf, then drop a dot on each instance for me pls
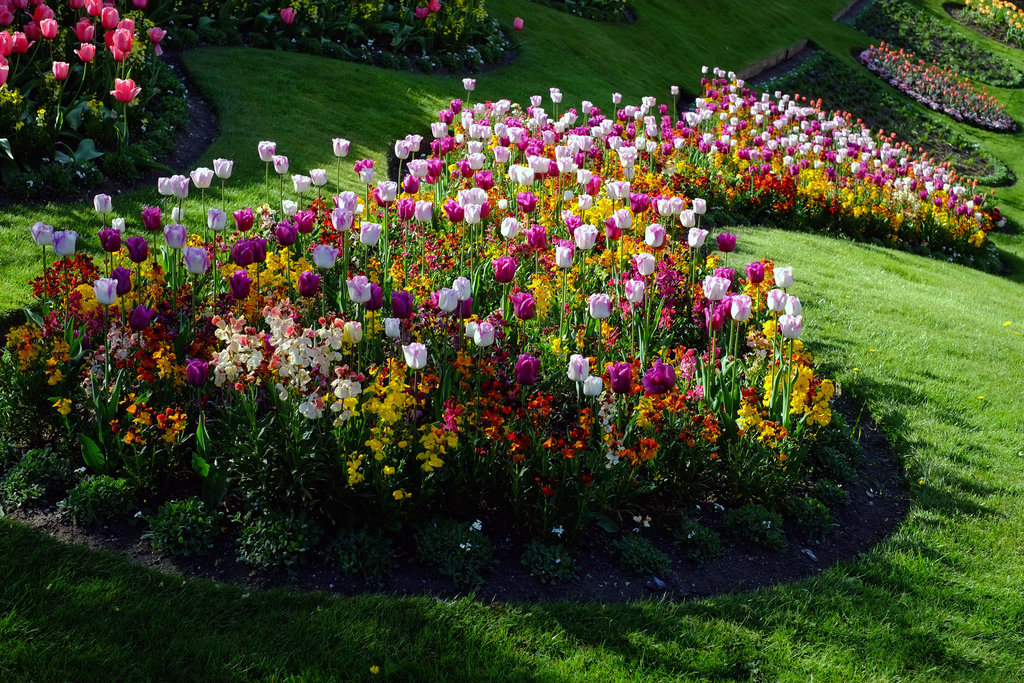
(605, 522)
(87, 151)
(92, 454)
(33, 317)
(73, 117)
(5, 145)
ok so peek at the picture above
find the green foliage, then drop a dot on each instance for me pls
(363, 554)
(698, 541)
(99, 498)
(184, 527)
(459, 550)
(754, 523)
(274, 540)
(810, 514)
(598, 10)
(549, 563)
(837, 453)
(638, 555)
(41, 472)
(905, 26)
(830, 493)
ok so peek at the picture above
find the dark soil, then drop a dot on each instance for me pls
(878, 501)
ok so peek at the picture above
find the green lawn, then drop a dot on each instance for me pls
(922, 343)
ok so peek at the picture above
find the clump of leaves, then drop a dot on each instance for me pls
(638, 555)
(549, 563)
(99, 498)
(698, 541)
(811, 514)
(458, 549)
(39, 473)
(275, 540)
(830, 493)
(755, 523)
(184, 527)
(363, 554)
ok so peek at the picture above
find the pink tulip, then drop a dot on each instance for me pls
(109, 18)
(87, 52)
(60, 70)
(125, 90)
(288, 15)
(84, 30)
(48, 28)
(517, 23)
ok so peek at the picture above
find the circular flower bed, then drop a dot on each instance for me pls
(939, 89)
(533, 322)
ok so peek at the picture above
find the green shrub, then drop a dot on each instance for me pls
(184, 527)
(810, 514)
(830, 493)
(755, 523)
(275, 540)
(698, 541)
(40, 472)
(99, 498)
(458, 549)
(360, 553)
(549, 563)
(638, 555)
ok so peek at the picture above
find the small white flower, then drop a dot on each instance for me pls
(558, 531)
(476, 526)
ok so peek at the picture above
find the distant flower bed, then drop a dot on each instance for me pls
(455, 35)
(1001, 19)
(598, 10)
(835, 85)
(902, 25)
(78, 84)
(941, 89)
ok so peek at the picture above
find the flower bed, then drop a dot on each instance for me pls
(454, 35)
(838, 86)
(998, 18)
(533, 323)
(72, 96)
(598, 10)
(902, 25)
(937, 88)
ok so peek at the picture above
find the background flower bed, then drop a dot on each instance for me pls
(903, 25)
(454, 35)
(941, 89)
(1000, 19)
(61, 135)
(599, 10)
(842, 87)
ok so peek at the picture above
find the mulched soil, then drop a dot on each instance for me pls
(878, 501)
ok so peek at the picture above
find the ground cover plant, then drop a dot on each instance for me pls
(838, 86)
(902, 25)
(941, 89)
(79, 85)
(455, 35)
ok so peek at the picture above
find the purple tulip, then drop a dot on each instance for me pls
(612, 231)
(411, 184)
(406, 208)
(455, 213)
(175, 236)
(244, 219)
(660, 379)
(402, 304)
(259, 250)
(286, 233)
(728, 273)
(523, 305)
(537, 237)
(151, 218)
(465, 308)
(504, 269)
(484, 180)
(714, 316)
(140, 317)
(726, 242)
(138, 249)
(241, 253)
(755, 273)
(527, 369)
(527, 201)
(110, 240)
(240, 283)
(124, 280)
(621, 375)
(197, 372)
(305, 221)
(376, 300)
(309, 283)
(639, 202)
